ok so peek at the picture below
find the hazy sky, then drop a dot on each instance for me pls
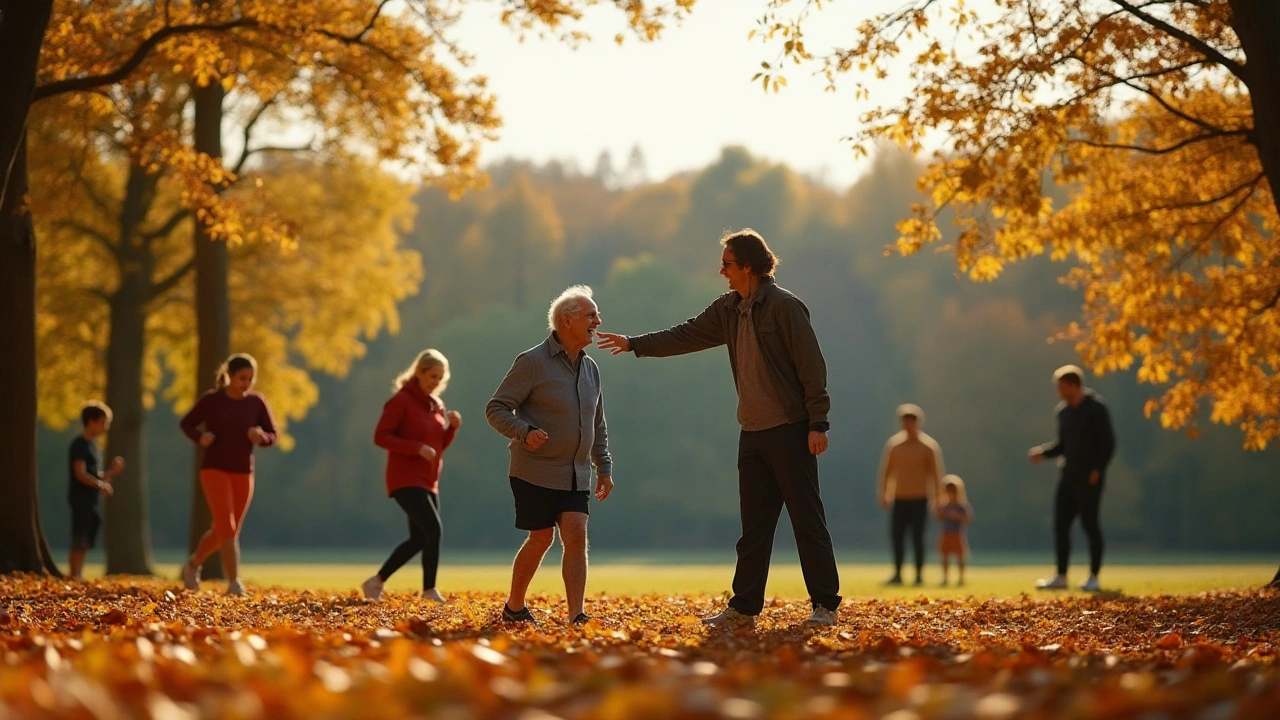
(681, 99)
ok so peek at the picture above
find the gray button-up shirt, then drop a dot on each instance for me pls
(543, 390)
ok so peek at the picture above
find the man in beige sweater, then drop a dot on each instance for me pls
(908, 485)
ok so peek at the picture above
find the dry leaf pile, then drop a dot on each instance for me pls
(117, 649)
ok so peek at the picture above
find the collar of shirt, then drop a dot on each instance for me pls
(766, 284)
(554, 346)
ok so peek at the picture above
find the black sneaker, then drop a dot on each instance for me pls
(580, 619)
(893, 581)
(522, 616)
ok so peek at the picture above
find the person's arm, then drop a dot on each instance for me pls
(1051, 449)
(600, 456)
(806, 355)
(882, 479)
(511, 393)
(195, 417)
(384, 433)
(939, 470)
(80, 469)
(449, 435)
(266, 424)
(1104, 438)
(698, 333)
(968, 514)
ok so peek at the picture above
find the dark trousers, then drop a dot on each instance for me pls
(425, 530)
(908, 515)
(1077, 497)
(776, 469)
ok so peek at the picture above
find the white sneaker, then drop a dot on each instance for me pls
(235, 587)
(1057, 582)
(372, 588)
(1091, 585)
(730, 618)
(190, 576)
(822, 617)
(433, 595)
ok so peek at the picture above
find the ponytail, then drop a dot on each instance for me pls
(231, 366)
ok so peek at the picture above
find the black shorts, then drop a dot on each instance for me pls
(538, 508)
(85, 522)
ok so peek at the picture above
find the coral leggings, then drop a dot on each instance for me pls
(228, 495)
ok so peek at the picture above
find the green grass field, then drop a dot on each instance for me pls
(861, 580)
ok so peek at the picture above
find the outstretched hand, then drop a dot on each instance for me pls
(613, 343)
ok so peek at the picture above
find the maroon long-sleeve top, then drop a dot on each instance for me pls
(229, 420)
(411, 419)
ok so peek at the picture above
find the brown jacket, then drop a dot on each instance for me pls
(787, 342)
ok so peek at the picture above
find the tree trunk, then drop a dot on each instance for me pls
(22, 543)
(1257, 24)
(128, 530)
(22, 25)
(213, 308)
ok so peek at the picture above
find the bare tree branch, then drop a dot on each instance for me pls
(1158, 151)
(88, 82)
(169, 226)
(1203, 47)
(160, 288)
(88, 231)
(1208, 234)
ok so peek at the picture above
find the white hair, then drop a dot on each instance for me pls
(569, 301)
(1066, 370)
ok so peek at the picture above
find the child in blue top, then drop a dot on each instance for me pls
(955, 514)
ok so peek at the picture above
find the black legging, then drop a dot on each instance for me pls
(1077, 497)
(425, 529)
(908, 514)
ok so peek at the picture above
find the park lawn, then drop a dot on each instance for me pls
(785, 581)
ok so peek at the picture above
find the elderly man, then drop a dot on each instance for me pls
(1085, 445)
(551, 407)
(781, 379)
(908, 486)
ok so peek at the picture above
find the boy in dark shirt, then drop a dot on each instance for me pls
(88, 481)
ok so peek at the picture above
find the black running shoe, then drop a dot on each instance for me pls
(522, 616)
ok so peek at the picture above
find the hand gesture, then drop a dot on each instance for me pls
(206, 439)
(427, 452)
(604, 486)
(257, 436)
(117, 466)
(817, 442)
(1036, 455)
(105, 489)
(455, 419)
(614, 343)
(535, 439)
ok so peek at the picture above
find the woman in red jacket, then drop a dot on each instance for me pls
(415, 430)
(228, 422)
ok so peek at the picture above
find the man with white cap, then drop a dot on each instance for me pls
(1085, 445)
(908, 486)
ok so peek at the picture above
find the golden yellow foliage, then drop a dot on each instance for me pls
(301, 307)
(1146, 116)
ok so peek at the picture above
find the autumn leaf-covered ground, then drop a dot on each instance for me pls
(145, 648)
